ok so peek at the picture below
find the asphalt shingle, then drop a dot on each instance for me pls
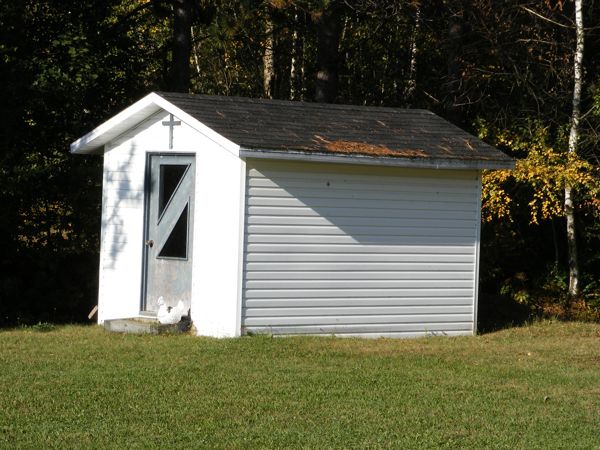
(336, 129)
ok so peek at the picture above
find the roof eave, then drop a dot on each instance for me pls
(417, 163)
(94, 141)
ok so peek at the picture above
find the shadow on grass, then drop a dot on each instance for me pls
(497, 312)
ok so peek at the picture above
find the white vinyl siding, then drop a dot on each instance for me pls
(358, 250)
(121, 235)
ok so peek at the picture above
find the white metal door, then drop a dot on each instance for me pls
(168, 240)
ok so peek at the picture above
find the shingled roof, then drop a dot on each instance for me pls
(319, 128)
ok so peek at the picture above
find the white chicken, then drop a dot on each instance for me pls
(169, 314)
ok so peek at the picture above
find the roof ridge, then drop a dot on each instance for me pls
(293, 103)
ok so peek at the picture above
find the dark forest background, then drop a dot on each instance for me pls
(503, 70)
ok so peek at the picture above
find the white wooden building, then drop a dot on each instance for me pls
(289, 217)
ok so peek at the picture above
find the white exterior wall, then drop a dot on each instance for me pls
(359, 250)
(216, 251)
(217, 248)
(121, 235)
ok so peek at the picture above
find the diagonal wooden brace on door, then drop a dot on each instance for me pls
(173, 209)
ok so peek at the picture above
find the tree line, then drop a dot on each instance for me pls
(522, 75)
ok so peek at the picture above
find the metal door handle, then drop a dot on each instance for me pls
(150, 243)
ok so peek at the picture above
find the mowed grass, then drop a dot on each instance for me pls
(531, 387)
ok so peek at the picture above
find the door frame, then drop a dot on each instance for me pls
(147, 186)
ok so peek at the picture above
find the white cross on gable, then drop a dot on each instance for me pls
(171, 123)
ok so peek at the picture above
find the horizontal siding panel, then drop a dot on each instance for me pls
(357, 257)
(425, 329)
(112, 239)
(370, 302)
(122, 185)
(358, 320)
(382, 222)
(339, 194)
(124, 175)
(115, 265)
(356, 311)
(115, 243)
(354, 230)
(350, 293)
(125, 162)
(361, 203)
(121, 241)
(400, 335)
(119, 233)
(354, 250)
(114, 205)
(358, 284)
(284, 240)
(356, 175)
(375, 184)
(348, 267)
(358, 248)
(333, 212)
(114, 187)
(117, 256)
(123, 215)
(358, 275)
(115, 195)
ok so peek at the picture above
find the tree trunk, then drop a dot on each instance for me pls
(328, 40)
(454, 56)
(573, 143)
(268, 60)
(195, 52)
(182, 45)
(295, 58)
(411, 84)
(303, 59)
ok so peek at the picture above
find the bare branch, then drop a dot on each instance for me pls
(431, 97)
(531, 11)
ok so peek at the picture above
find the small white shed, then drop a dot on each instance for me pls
(290, 217)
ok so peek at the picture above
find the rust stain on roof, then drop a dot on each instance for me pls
(445, 148)
(364, 148)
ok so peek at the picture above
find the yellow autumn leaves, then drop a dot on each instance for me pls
(539, 178)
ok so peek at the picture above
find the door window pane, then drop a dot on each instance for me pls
(176, 244)
(170, 176)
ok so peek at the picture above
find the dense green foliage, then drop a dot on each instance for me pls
(503, 72)
(65, 67)
(78, 387)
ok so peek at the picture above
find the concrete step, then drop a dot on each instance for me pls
(143, 325)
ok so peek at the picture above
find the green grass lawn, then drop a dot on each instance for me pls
(531, 387)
